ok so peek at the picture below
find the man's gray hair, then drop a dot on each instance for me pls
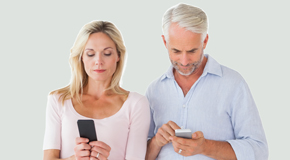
(186, 16)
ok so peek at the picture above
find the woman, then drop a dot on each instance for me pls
(121, 117)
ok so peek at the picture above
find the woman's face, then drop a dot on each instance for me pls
(100, 57)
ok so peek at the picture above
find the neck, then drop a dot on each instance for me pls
(186, 82)
(97, 88)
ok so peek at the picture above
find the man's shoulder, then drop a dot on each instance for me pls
(231, 76)
(155, 84)
(157, 81)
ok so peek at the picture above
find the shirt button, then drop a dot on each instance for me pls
(183, 106)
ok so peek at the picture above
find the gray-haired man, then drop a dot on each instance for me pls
(200, 94)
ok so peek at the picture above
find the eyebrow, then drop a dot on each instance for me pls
(108, 48)
(90, 49)
(192, 50)
(176, 50)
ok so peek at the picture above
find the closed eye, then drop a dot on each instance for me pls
(90, 54)
(108, 54)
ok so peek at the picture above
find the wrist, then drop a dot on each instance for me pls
(205, 147)
(155, 143)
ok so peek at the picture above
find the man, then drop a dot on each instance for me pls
(199, 94)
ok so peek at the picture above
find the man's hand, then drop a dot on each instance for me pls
(189, 147)
(164, 132)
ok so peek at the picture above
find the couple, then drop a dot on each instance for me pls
(196, 93)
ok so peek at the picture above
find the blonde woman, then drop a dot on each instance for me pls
(121, 117)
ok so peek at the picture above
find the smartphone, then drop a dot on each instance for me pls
(183, 133)
(87, 129)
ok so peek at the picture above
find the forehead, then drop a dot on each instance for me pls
(183, 38)
(99, 40)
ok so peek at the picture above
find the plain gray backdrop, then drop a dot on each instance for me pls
(250, 36)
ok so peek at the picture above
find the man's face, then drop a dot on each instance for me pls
(185, 49)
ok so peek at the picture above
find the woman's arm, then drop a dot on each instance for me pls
(53, 154)
(82, 151)
(139, 127)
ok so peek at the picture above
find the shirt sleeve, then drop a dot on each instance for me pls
(250, 142)
(152, 124)
(137, 139)
(52, 136)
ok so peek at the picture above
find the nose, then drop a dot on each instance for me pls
(99, 59)
(184, 60)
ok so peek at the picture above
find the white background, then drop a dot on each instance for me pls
(250, 36)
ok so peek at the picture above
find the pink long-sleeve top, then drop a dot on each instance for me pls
(125, 132)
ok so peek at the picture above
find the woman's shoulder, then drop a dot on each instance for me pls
(135, 98)
(53, 96)
(137, 104)
(56, 99)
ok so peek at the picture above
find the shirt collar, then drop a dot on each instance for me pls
(211, 67)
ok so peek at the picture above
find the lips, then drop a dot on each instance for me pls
(184, 67)
(99, 70)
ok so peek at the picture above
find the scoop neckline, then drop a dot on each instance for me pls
(107, 118)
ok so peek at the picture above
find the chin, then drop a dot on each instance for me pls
(99, 78)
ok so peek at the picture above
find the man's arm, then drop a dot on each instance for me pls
(161, 138)
(219, 150)
(152, 149)
(199, 145)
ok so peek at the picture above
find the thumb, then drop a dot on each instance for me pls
(197, 135)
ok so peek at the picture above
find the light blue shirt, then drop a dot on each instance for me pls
(219, 104)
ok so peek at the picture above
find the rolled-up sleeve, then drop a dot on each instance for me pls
(250, 140)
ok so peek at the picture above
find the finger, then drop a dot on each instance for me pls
(179, 146)
(82, 153)
(164, 134)
(167, 128)
(80, 140)
(181, 149)
(197, 135)
(82, 146)
(101, 145)
(161, 139)
(99, 155)
(85, 153)
(177, 149)
(83, 158)
(95, 150)
(181, 141)
(173, 125)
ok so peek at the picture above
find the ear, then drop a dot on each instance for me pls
(205, 41)
(118, 57)
(164, 41)
(82, 57)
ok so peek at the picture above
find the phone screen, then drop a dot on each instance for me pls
(87, 129)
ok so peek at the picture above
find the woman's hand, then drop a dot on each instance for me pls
(100, 150)
(82, 149)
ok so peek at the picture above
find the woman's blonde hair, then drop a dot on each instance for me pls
(79, 77)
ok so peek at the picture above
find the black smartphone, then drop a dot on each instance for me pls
(87, 129)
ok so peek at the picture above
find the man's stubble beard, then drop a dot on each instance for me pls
(194, 65)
